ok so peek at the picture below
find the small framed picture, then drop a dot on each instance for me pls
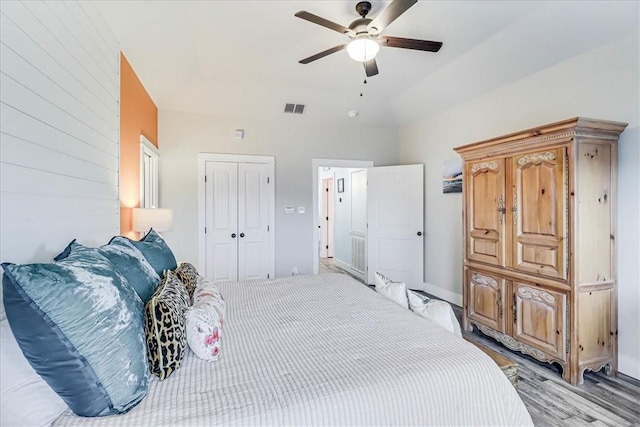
(341, 185)
(452, 176)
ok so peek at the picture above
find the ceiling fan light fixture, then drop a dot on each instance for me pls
(363, 49)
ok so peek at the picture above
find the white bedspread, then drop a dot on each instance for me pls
(326, 350)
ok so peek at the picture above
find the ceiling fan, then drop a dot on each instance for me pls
(365, 34)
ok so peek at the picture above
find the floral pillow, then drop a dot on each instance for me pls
(205, 321)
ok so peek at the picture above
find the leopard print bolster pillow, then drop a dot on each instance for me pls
(188, 275)
(164, 326)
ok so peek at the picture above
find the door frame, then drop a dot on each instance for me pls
(203, 158)
(319, 163)
(330, 228)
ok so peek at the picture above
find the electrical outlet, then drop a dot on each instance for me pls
(295, 271)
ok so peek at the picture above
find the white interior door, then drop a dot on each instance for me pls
(253, 221)
(395, 221)
(221, 221)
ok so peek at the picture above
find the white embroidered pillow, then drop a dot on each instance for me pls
(395, 291)
(438, 311)
(205, 321)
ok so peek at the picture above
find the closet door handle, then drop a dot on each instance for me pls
(241, 234)
(419, 233)
(233, 235)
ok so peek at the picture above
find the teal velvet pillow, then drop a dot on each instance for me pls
(130, 263)
(80, 326)
(154, 249)
(134, 267)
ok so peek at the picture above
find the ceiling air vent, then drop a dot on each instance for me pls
(294, 108)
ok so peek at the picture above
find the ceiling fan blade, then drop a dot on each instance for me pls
(370, 67)
(323, 22)
(323, 54)
(390, 14)
(411, 44)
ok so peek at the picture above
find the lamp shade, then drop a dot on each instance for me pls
(363, 49)
(158, 219)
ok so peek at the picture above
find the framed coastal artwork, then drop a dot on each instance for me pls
(452, 176)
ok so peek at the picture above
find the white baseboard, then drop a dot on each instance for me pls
(444, 294)
(347, 267)
(629, 366)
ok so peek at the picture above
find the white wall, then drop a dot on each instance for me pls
(601, 83)
(59, 129)
(292, 141)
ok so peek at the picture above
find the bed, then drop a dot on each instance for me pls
(326, 350)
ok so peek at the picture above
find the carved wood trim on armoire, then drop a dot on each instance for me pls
(539, 243)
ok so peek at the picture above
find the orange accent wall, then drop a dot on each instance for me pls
(138, 116)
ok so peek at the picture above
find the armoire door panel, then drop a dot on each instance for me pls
(486, 299)
(253, 221)
(540, 319)
(539, 212)
(486, 211)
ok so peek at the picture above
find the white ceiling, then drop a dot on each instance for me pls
(240, 58)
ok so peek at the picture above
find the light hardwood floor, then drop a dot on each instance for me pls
(551, 401)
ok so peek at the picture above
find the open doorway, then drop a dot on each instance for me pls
(340, 217)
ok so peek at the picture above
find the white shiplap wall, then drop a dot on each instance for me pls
(59, 128)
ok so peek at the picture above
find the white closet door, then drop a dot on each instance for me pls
(221, 213)
(395, 221)
(253, 221)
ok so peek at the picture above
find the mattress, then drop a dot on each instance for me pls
(326, 350)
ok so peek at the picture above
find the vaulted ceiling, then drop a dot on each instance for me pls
(240, 58)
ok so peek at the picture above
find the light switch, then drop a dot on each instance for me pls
(301, 209)
(288, 210)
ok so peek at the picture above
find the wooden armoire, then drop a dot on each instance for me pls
(539, 243)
